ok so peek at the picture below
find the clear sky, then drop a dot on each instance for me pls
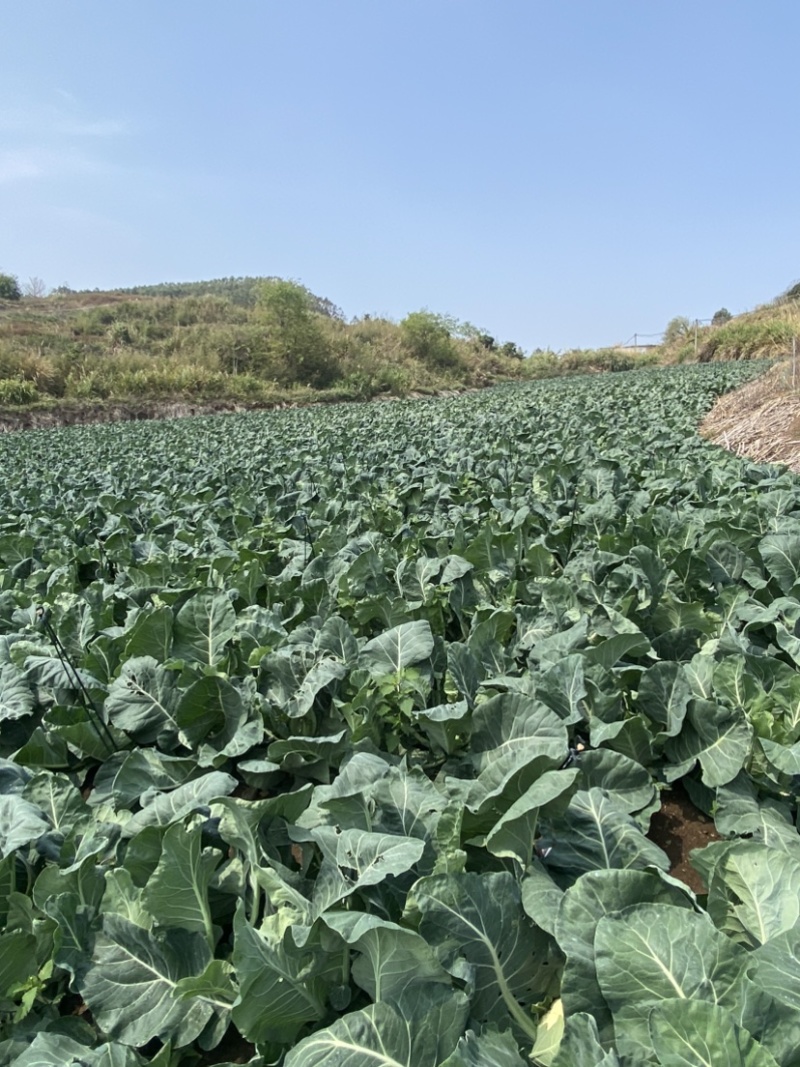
(559, 172)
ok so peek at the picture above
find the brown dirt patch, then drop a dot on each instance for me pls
(761, 420)
(678, 828)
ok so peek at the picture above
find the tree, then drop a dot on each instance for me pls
(721, 317)
(426, 337)
(9, 287)
(294, 334)
(678, 329)
(35, 287)
(511, 350)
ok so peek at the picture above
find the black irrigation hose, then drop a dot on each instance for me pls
(95, 717)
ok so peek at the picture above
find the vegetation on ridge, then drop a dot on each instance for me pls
(264, 341)
(249, 341)
(242, 340)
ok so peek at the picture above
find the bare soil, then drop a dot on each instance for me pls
(678, 828)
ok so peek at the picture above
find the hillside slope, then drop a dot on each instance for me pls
(761, 420)
(232, 341)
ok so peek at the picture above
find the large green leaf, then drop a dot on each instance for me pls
(151, 635)
(581, 1047)
(21, 823)
(777, 967)
(628, 783)
(514, 741)
(781, 555)
(177, 891)
(479, 918)
(131, 982)
(596, 831)
(142, 700)
(392, 958)
(696, 1033)
(59, 801)
(720, 738)
(123, 778)
(648, 953)
(16, 698)
(418, 1029)
(59, 1050)
(514, 834)
(754, 893)
(354, 859)
(203, 627)
(664, 694)
(166, 808)
(212, 711)
(563, 688)
(492, 1048)
(17, 962)
(595, 894)
(389, 653)
(281, 987)
(541, 896)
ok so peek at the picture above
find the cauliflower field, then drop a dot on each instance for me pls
(332, 737)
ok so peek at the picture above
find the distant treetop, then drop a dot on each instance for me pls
(9, 287)
(241, 291)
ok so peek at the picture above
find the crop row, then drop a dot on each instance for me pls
(335, 735)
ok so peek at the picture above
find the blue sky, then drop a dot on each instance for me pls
(559, 172)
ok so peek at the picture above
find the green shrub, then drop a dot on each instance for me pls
(747, 339)
(426, 337)
(17, 391)
(9, 287)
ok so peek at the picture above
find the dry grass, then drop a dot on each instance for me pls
(761, 420)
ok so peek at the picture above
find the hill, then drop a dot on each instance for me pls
(231, 341)
(766, 332)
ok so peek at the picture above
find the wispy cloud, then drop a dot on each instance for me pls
(57, 121)
(99, 128)
(26, 164)
(17, 166)
(55, 138)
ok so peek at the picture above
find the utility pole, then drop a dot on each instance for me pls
(695, 338)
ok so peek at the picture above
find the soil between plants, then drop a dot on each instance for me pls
(678, 828)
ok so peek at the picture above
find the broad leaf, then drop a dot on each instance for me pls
(142, 700)
(21, 823)
(720, 738)
(389, 653)
(480, 918)
(392, 958)
(696, 1033)
(203, 627)
(595, 832)
(419, 1029)
(131, 983)
(177, 892)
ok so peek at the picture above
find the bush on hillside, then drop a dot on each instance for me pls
(426, 338)
(9, 287)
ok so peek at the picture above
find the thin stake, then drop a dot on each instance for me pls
(95, 717)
